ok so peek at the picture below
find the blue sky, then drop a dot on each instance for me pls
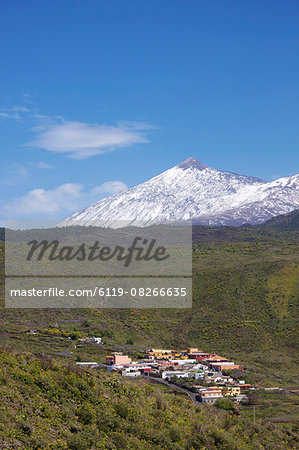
(99, 95)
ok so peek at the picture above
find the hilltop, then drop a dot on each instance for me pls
(193, 191)
(284, 222)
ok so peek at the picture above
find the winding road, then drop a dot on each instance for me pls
(191, 395)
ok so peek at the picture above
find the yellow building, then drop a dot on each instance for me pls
(192, 350)
(159, 352)
(231, 391)
(210, 395)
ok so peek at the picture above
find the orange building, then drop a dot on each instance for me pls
(216, 358)
(117, 359)
(224, 366)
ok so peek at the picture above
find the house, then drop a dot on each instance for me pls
(178, 362)
(91, 364)
(117, 359)
(193, 351)
(176, 354)
(83, 340)
(180, 374)
(32, 331)
(199, 376)
(215, 358)
(198, 388)
(223, 379)
(231, 391)
(133, 373)
(138, 366)
(87, 340)
(96, 340)
(210, 395)
(244, 386)
(225, 365)
(159, 353)
(200, 356)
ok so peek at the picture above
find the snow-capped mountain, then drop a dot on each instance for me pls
(194, 191)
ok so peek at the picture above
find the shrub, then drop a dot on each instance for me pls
(85, 415)
(224, 403)
(75, 427)
(77, 443)
(25, 427)
(46, 361)
(74, 335)
(107, 423)
(174, 434)
(121, 410)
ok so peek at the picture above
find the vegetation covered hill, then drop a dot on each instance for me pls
(48, 405)
(245, 306)
(245, 294)
(289, 222)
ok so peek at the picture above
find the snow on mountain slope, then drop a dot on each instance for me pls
(194, 191)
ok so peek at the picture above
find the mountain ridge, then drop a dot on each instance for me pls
(193, 191)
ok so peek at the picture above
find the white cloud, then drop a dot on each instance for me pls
(19, 108)
(59, 201)
(110, 187)
(10, 115)
(14, 112)
(81, 140)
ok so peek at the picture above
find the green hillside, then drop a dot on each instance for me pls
(47, 405)
(245, 295)
(289, 222)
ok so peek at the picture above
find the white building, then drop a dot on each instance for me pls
(91, 364)
(199, 375)
(180, 362)
(96, 340)
(177, 373)
(133, 373)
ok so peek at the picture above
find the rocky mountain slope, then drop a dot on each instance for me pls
(193, 191)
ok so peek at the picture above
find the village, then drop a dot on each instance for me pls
(204, 374)
(207, 377)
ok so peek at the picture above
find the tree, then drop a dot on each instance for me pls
(224, 403)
